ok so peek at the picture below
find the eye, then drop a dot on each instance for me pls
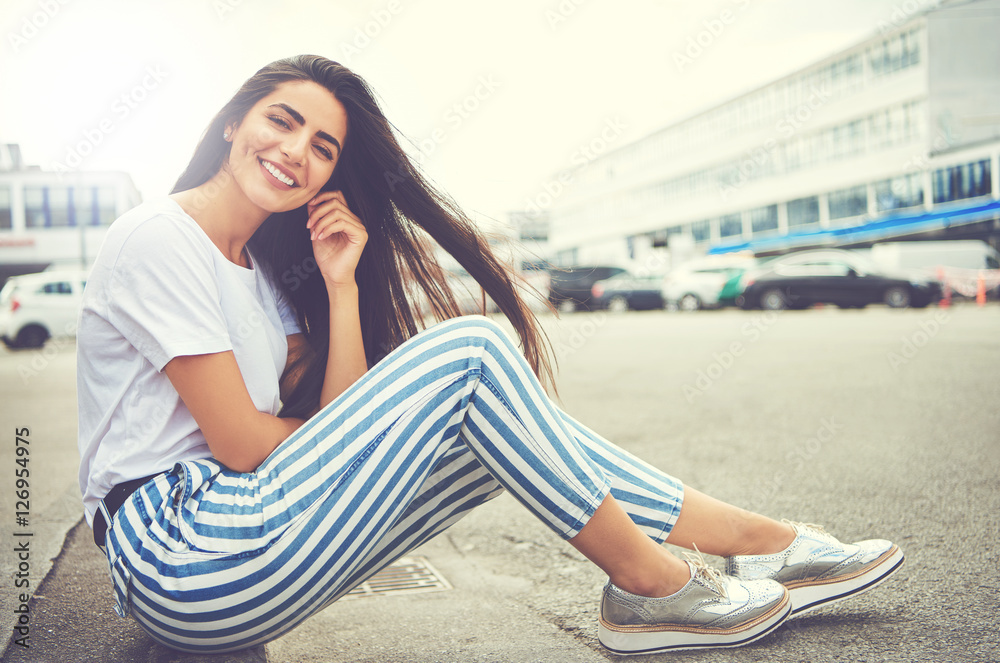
(280, 121)
(322, 149)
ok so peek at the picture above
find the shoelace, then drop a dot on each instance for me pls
(818, 528)
(702, 568)
(815, 528)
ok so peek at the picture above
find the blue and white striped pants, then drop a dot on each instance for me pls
(211, 560)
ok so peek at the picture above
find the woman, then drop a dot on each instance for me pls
(262, 426)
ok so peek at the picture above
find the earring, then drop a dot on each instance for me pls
(225, 136)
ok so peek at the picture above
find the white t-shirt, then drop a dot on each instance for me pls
(160, 289)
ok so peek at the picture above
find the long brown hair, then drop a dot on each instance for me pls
(400, 210)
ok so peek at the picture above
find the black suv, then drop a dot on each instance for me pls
(569, 288)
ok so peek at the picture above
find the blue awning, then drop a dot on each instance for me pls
(883, 227)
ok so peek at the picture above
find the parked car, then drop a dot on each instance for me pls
(36, 307)
(830, 276)
(570, 288)
(732, 289)
(699, 283)
(626, 292)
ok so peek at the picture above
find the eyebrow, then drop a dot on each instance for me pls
(297, 116)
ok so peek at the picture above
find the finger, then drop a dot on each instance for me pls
(324, 216)
(350, 236)
(327, 196)
(330, 207)
(353, 231)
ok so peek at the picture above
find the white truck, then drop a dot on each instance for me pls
(959, 253)
(958, 264)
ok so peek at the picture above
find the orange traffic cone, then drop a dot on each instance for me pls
(943, 280)
(981, 290)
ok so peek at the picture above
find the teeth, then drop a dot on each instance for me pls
(278, 175)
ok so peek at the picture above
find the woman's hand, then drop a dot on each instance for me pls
(338, 237)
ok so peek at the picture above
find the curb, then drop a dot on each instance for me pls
(73, 621)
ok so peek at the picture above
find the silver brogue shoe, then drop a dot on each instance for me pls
(711, 610)
(818, 569)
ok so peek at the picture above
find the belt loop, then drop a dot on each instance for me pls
(102, 510)
(113, 501)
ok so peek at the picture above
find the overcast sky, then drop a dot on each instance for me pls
(500, 96)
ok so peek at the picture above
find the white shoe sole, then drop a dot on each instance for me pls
(628, 640)
(809, 596)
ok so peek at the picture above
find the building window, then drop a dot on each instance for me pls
(966, 181)
(764, 219)
(106, 206)
(47, 207)
(701, 231)
(5, 214)
(567, 258)
(533, 228)
(36, 207)
(731, 225)
(895, 53)
(658, 238)
(899, 192)
(84, 209)
(62, 207)
(910, 49)
(848, 202)
(803, 212)
(59, 207)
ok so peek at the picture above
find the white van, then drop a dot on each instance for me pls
(37, 307)
(927, 257)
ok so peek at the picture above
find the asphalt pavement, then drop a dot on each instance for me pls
(873, 423)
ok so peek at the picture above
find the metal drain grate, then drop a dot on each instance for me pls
(407, 575)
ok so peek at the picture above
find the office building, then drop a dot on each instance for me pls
(895, 137)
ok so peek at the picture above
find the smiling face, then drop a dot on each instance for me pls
(286, 147)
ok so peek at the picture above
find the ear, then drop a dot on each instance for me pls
(230, 127)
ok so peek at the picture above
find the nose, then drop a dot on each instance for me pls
(295, 147)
